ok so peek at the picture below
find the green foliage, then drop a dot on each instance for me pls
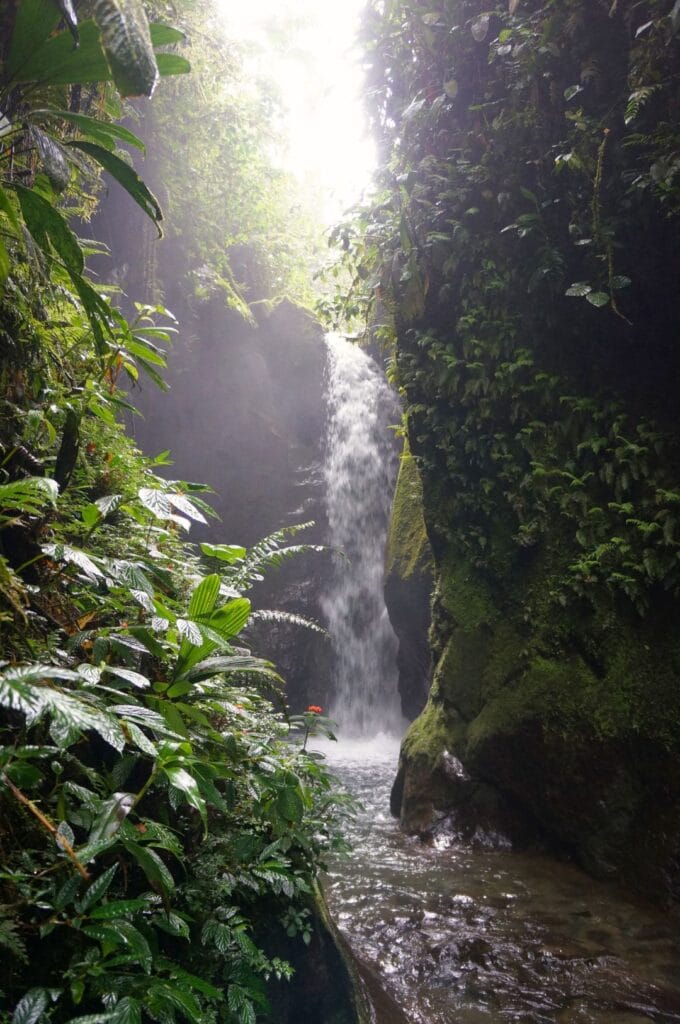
(520, 257)
(243, 230)
(159, 826)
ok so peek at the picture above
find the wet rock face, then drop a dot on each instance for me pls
(247, 416)
(544, 728)
(408, 587)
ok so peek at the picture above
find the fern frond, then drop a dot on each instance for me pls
(269, 553)
(281, 618)
(28, 496)
(11, 940)
(637, 100)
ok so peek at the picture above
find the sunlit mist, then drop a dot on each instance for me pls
(309, 49)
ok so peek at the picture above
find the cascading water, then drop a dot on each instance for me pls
(359, 470)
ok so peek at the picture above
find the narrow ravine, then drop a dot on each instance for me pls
(457, 935)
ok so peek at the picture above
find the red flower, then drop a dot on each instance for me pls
(315, 709)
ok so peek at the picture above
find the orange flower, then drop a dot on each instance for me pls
(315, 709)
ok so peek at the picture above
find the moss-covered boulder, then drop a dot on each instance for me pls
(408, 585)
(549, 724)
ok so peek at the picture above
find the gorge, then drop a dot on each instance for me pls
(418, 492)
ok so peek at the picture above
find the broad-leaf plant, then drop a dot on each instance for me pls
(157, 822)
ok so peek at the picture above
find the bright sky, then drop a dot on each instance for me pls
(308, 47)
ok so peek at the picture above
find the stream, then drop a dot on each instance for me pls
(456, 935)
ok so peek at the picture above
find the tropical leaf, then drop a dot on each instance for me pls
(28, 496)
(224, 552)
(186, 783)
(95, 891)
(106, 133)
(31, 1007)
(125, 176)
(153, 867)
(204, 597)
(49, 229)
(127, 43)
(74, 556)
(53, 158)
(35, 20)
(232, 664)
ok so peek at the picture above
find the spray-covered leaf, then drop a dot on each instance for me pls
(127, 42)
(125, 176)
(52, 158)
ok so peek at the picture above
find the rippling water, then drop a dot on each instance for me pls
(459, 936)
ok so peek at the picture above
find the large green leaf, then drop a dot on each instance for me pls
(172, 64)
(49, 229)
(186, 783)
(53, 159)
(165, 35)
(125, 176)
(54, 61)
(204, 596)
(127, 42)
(35, 20)
(104, 132)
(153, 867)
(231, 618)
(7, 208)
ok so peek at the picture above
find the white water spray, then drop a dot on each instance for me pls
(360, 470)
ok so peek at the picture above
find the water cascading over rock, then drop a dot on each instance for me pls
(360, 469)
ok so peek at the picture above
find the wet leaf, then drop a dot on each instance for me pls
(126, 40)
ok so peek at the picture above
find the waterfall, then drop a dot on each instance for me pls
(359, 471)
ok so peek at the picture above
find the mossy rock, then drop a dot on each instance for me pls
(408, 548)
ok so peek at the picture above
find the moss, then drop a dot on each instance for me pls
(408, 549)
(460, 670)
(436, 729)
(466, 595)
(554, 692)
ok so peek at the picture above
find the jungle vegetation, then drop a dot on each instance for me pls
(160, 826)
(519, 260)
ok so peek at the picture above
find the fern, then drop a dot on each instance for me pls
(29, 496)
(11, 940)
(269, 553)
(637, 100)
(281, 618)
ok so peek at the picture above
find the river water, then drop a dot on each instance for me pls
(454, 935)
